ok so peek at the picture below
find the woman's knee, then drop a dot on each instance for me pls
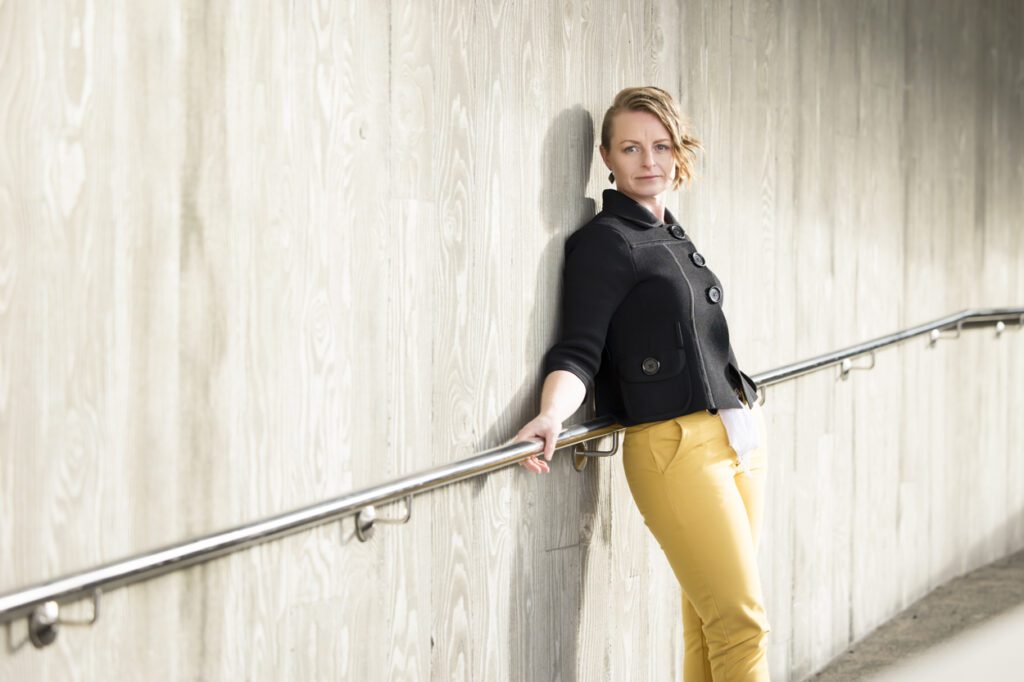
(742, 626)
(744, 656)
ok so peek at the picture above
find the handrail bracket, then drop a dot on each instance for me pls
(367, 517)
(937, 334)
(1001, 326)
(581, 453)
(44, 620)
(847, 366)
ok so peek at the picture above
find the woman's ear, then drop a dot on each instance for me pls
(604, 155)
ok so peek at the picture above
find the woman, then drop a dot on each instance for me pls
(643, 330)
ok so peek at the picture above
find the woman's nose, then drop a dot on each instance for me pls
(649, 157)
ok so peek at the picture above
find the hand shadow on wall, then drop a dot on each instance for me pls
(550, 558)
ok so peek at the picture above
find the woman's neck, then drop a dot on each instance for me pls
(655, 204)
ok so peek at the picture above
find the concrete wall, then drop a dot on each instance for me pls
(253, 256)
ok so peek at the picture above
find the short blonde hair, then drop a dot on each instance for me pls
(661, 104)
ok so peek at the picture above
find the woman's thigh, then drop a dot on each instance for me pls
(685, 480)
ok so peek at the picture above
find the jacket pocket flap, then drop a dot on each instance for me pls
(654, 365)
(749, 380)
(749, 387)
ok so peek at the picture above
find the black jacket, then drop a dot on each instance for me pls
(642, 320)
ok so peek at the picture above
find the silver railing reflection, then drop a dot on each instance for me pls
(41, 603)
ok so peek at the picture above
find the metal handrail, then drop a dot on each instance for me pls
(41, 602)
(972, 318)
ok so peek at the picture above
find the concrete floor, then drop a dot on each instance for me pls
(971, 628)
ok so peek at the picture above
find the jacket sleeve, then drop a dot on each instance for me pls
(597, 276)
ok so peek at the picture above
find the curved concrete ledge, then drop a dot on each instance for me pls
(970, 628)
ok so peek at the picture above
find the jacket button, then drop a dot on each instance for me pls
(676, 231)
(650, 366)
(714, 294)
(697, 259)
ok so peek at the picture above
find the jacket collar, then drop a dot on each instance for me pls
(619, 204)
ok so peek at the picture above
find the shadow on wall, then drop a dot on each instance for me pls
(545, 613)
(565, 172)
(567, 159)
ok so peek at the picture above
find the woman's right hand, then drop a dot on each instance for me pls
(546, 428)
(562, 394)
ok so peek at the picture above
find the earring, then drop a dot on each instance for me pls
(611, 177)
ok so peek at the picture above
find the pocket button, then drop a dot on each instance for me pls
(650, 366)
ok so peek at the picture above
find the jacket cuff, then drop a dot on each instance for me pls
(587, 380)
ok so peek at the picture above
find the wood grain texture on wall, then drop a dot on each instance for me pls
(255, 256)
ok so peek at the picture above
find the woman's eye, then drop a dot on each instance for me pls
(662, 147)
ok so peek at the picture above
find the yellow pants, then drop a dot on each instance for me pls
(706, 514)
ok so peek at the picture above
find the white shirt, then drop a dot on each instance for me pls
(742, 429)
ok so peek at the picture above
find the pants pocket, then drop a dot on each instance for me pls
(664, 440)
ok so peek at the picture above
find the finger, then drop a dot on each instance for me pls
(527, 437)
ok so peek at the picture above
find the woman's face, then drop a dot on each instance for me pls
(640, 155)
